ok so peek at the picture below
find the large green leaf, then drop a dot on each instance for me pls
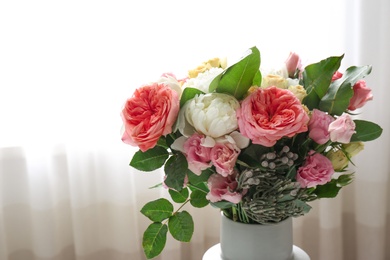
(154, 239)
(366, 131)
(328, 190)
(238, 78)
(336, 100)
(189, 93)
(175, 170)
(181, 226)
(158, 210)
(317, 78)
(150, 160)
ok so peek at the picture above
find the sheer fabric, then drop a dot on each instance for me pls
(66, 189)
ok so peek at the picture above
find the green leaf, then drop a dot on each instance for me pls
(344, 180)
(317, 78)
(158, 210)
(154, 239)
(328, 190)
(179, 196)
(150, 160)
(198, 199)
(175, 170)
(257, 79)
(336, 100)
(189, 93)
(181, 226)
(222, 204)
(202, 186)
(203, 177)
(214, 84)
(238, 78)
(162, 142)
(366, 131)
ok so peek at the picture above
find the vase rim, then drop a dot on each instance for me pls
(268, 224)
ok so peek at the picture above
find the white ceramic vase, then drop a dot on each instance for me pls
(256, 242)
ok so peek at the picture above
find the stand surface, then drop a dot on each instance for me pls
(214, 253)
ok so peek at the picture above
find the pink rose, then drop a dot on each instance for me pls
(293, 62)
(267, 115)
(317, 170)
(318, 126)
(342, 129)
(198, 155)
(149, 114)
(336, 75)
(361, 94)
(224, 157)
(223, 188)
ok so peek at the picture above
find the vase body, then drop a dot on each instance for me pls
(241, 241)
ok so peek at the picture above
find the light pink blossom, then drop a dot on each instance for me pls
(342, 129)
(149, 114)
(224, 157)
(361, 94)
(293, 62)
(267, 115)
(337, 75)
(316, 170)
(197, 154)
(223, 188)
(318, 126)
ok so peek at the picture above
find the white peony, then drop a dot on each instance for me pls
(212, 114)
(203, 80)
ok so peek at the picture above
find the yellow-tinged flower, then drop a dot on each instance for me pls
(338, 158)
(212, 63)
(299, 91)
(353, 149)
(274, 80)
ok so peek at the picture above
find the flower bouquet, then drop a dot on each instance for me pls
(259, 145)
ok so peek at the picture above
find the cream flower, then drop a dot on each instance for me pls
(299, 91)
(212, 114)
(274, 80)
(212, 63)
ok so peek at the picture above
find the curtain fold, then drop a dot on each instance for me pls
(67, 191)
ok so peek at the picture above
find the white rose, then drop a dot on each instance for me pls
(171, 81)
(203, 80)
(212, 114)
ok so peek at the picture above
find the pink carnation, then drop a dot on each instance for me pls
(223, 188)
(149, 114)
(318, 126)
(198, 156)
(317, 170)
(361, 94)
(224, 157)
(267, 115)
(342, 129)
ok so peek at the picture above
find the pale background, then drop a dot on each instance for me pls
(66, 68)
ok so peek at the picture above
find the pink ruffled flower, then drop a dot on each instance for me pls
(342, 129)
(198, 155)
(224, 157)
(223, 188)
(293, 62)
(361, 94)
(318, 126)
(317, 170)
(149, 114)
(267, 115)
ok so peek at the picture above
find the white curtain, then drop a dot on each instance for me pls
(66, 67)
